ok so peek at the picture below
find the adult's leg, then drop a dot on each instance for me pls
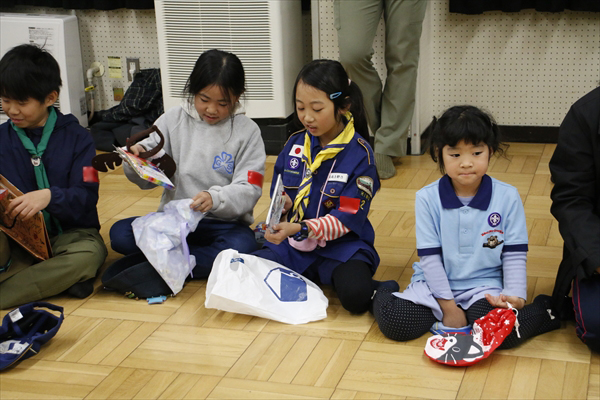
(356, 22)
(77, 255)
(404, 20)
(534, 319)
(122, 239)
(212, 237)
(586, 298)
(400, 319)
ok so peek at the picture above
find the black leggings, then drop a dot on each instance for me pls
(354, 285)
(402, 320)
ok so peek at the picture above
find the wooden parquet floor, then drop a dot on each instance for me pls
(112, 347)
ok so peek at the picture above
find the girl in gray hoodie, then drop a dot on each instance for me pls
(220, 159)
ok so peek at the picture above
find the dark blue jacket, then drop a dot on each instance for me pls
(353, 177)
(69, 149)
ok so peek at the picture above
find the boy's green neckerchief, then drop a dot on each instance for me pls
(330, 151)
(41, 177)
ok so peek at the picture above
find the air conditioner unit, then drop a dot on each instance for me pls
(59, 35)
(265, 34)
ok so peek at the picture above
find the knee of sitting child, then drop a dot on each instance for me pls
(356, 301)
(245, 244)
(122, 239)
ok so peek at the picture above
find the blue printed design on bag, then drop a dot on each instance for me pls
(287, 285)
(239, 259)
(224, 163)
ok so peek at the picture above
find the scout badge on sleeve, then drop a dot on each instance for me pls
(25, 329)
(103, 162)
(489, 331)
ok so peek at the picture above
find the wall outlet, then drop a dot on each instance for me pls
(132, 67)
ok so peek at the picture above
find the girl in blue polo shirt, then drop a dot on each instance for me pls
(329, 175)
(471, 240)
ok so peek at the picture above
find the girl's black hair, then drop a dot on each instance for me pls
(466, 123)
(330, 77)
(27, 71)
(217, 67)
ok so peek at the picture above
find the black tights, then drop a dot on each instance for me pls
(402, 320)
(354, 285)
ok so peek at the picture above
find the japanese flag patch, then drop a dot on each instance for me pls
(297, 150)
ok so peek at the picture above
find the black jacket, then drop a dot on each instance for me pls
(575, 168)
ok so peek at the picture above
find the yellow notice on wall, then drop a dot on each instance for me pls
(114, 67)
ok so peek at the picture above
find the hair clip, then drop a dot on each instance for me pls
(335, 95)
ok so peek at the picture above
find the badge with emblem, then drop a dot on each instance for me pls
(365, 183)
(493, 242)
(294, 163)
(329, 203)
(494, 219)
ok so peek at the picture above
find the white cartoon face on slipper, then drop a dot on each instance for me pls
(488, 333)
(453, 348)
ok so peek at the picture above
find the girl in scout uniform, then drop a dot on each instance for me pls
(471, 240)
(329, 175)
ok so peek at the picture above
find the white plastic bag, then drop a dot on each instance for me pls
(246, 284)
(162, 238)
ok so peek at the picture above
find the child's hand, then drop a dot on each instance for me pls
(282, 231)
(454, 317)
(136, 149)
(29, 204)
(500, 301)
(202, 202)
(287, 204)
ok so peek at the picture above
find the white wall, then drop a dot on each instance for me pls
(121, 33)
(526, 68)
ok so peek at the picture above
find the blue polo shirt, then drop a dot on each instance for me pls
(471, 238)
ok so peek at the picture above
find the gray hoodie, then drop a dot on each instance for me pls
(212, 158)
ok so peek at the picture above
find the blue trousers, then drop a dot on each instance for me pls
(205, 243)
(586, 301)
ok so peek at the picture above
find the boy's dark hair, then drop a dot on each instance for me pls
(217, 67)
(466, 123)
(28, 71)
(330, 77)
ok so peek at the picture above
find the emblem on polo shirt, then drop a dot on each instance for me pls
(494, 219)
(493, 242)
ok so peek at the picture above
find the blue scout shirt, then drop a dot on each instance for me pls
(69, 149)
(353, 176)
(471, 238)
